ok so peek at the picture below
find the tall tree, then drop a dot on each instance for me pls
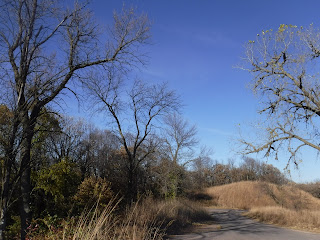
(134, 124)
(179, 139)
(43, 48)
(285, 68)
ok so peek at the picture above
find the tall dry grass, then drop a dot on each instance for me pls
(247, 195)
(303, 219)
(146, 220)
(138, 222)
(285, 205)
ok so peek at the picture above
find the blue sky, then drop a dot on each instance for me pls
(197, 44)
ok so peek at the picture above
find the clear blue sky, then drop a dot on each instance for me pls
(197, 43)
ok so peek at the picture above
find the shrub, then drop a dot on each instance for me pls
(57, 185)
(93, 190)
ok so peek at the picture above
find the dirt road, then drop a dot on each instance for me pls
(231, 225)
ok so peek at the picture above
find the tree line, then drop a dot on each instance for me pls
(74, 164)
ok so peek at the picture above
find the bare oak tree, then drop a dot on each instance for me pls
(43, 49)
(285, 69)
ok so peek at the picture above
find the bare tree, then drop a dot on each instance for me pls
(135, 116)
(65, 143)
(284, 65)
(43, 49)
(201, 168)
(179, 140)
(180, 137)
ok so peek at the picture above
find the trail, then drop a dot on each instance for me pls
(231, 225)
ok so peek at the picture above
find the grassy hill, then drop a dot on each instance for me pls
(284, 205)
(247, 195)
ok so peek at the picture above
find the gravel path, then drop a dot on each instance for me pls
(231, 225)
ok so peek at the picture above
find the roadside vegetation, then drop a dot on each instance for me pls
(284, 205)
(146, 219)
(308, 220)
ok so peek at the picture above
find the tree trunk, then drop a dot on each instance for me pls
(4, 205)
(132, 190)
(5, 197)
(25, 211)
(25, 183)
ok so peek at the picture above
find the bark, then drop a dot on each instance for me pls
(132, 190)
(25, 182)
(25, 211)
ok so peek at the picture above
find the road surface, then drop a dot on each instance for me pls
(231, 225)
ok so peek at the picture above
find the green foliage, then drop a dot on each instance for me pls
(94, 190)
(60, 180)
(54, 189)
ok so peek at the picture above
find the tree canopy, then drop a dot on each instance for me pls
(284, 64)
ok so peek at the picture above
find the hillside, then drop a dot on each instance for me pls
(247, 195)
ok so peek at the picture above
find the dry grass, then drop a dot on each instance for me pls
(303, 219)
(137, 223)
(177, 215)
(247, 195)
(284, 205)
(146, 220)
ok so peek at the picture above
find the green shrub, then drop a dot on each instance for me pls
(56, 186)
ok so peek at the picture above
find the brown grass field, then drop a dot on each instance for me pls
(283, 205)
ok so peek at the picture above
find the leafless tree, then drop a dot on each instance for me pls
(135, 115)
(202, 168)
(285, 70)
(43, 49)
(180, 138)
